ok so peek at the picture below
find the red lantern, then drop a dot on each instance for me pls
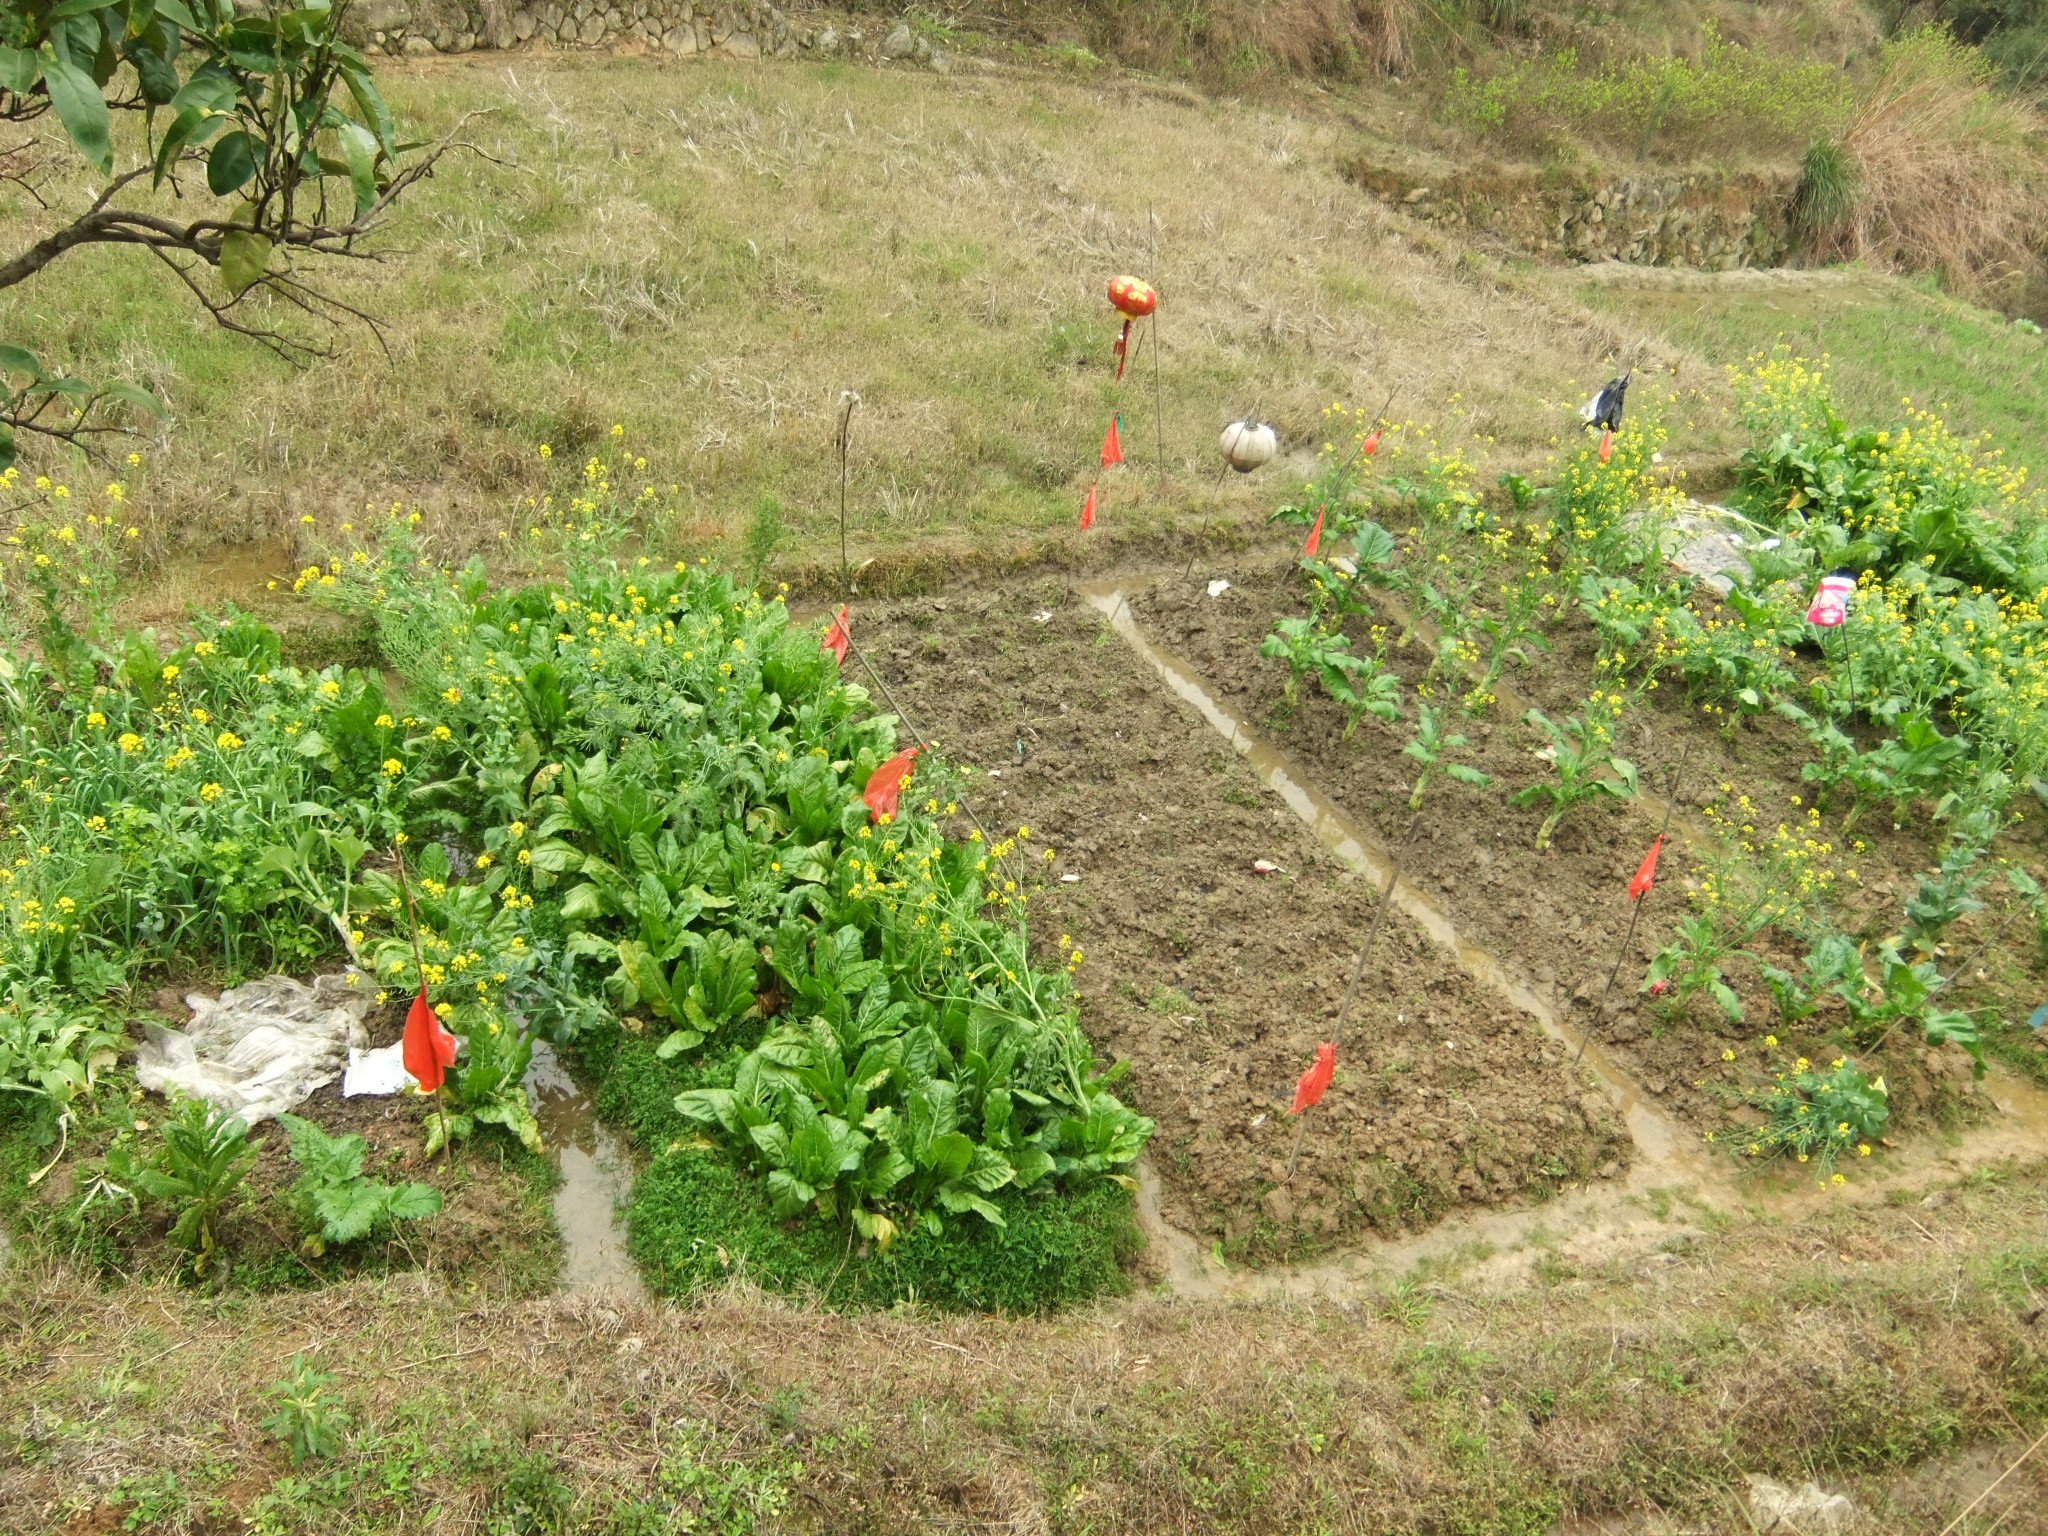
(1134, 299)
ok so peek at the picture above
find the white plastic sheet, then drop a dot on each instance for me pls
(261, 1049)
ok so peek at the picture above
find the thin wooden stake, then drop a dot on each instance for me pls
(412, 917)
(847, 401)
(1372, 938)
(1635, 915)
(1158, 395)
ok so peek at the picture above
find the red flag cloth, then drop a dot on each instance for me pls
(838, 637)
(1308, 1093)
(1646, 872)
(1315, 535)
(886, 784)
(1112, 446)
(1606, 445)
(1088, 511)
(429, 1050)
(1371, 445)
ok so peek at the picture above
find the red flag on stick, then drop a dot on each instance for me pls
(428, 1050)
(1315, 535)
(1606, 445)
(838, 637)
(1112, 446)
(1088, 511)
(1371, 445)
(886, 784)
(1646, 872)
(1316, 1080)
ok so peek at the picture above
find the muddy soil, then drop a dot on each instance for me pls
(1558, 916)
(1217, 981)
(492, 1229)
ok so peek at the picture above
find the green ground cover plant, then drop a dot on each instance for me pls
(629, 790)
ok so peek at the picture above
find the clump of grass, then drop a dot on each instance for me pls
(1948, 178)
(1830, 185)
(698, 1220)
(1227, 40)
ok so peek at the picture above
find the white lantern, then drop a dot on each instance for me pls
(1248, 444)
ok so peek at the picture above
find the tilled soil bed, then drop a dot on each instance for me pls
(1217, 981)
(1557, 917)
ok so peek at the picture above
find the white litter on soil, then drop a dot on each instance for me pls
(260, 1049)
(1706, 540)
(378, 1072)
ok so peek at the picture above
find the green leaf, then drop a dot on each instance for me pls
(20, 360)
(411, 1202)
(18, 69)
(1725, 996)
(949, 1155)
(967, 1200)
(359, 149)
(190, 128)
(1032, 1164)
(159, 80)
(78, 7)
(370, 103)
(80, 108)
(677, 1042)
(137, 396)
(231, 167)
(244, 258)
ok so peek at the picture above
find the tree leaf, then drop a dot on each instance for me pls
(359, 149)
(80, 108)
(190, 128)
(19, 69)
(244, 258)
(137, 396)
(20, 360)
(232, 165)
(159, 80)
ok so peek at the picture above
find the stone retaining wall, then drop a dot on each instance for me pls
(1708, 220)
(740, 29)
(733, 29)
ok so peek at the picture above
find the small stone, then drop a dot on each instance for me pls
(829, 41)
(1279, 1205)
(1809, 1508)
(921, 50)
(899, 42)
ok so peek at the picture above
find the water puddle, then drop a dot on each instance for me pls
(596, 1176)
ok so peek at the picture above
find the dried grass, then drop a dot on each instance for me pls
(1862, 1340)
(1229, 41)
(1948, 176)
(709, 254)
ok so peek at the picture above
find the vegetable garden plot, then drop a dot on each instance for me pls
(1216, 981)
(1558, 915)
